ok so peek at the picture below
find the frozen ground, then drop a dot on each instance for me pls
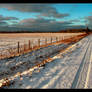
(70, 69)
(23, 62)
(11, 40)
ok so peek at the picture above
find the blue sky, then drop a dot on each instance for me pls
(66, 15)
(79, 9)
(20, 15)
(76, 11)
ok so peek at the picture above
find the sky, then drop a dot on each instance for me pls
(45, 17)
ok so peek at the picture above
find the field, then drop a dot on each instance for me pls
(9, 42)
(54, 66)
(12, 39)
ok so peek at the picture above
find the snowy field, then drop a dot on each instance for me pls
(9, 42)
(68, 69)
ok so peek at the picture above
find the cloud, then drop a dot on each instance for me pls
(76, 27)
(27, 7)
(37, 21)
(54, 14)
(89, 18)
(88, 21)
(42, 24)
(75, 20)
(46, 10)
(46, 15)
(2, 18)
(3, 23)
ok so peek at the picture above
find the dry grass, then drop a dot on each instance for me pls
(14, 35)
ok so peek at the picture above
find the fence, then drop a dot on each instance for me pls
(21, 49)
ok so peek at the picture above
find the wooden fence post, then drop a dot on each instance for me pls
(24, 46)
(59, 38)
(39, 42)
(18, 47)
(62, 37)
(29, 44)
(1, 55)
(32, 44)
(56, 39)
(45, 41)
(51, 39)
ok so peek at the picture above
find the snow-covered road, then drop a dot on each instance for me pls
(71, 69)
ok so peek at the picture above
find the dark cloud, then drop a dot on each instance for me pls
(27, 7)
(54, 14)
(2, 23)
(36, 21)
(2, 18)
(40, 23)
(46, 10)
(88, 21)
(43, 24)
(76, 27)
(75, 20)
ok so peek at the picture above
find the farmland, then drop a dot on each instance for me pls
(53, 66)
(9, 42)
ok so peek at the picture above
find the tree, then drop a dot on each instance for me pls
(87, 30)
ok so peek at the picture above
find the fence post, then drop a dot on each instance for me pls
(39, 42)
(56, 39)
(1, 55)
(51, 39)
(45, 41)
(59, 38)
(24, 47)
(29, 44)
(62, 37)
(32, 44)
(18, 47)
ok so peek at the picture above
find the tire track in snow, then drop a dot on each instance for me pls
(52, 81)
(88, 73)
(80, 78)
(56, 77)
(49, 82)
(88, 83)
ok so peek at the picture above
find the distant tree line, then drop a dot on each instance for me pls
(76, 30)
(87, 30)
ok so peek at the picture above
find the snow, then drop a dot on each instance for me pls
(21, 63)
(10, 41)
(59, 73)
